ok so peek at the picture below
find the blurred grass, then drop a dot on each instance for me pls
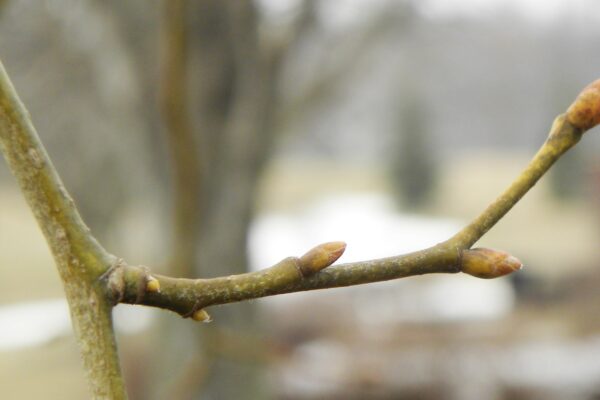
(50, 372)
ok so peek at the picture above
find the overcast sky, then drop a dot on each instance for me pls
(538, 11)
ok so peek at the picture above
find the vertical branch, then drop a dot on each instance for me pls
(79, 258)
(184, 155)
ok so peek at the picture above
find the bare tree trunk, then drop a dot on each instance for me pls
(232, 99)
(239, 131)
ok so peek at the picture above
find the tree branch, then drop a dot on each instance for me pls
(79, 257)
(188, 296)
(563, 135)
(566, 131)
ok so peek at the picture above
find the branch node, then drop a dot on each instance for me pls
(115, 281)
(145, 283)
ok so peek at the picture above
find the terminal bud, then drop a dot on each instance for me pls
(488, 263)
(584, 113)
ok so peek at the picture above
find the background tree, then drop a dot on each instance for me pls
(413, 164)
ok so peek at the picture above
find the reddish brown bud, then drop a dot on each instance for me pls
(584, 113)
(321, 257)
(488, 263)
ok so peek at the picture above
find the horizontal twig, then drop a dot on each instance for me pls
(185, 296)
(189, 297)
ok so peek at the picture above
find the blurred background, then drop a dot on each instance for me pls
(205, 138)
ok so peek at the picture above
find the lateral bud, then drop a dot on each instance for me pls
(320, 257)
(488, 263)
(152, 284)
(201, 316)
(584, 113)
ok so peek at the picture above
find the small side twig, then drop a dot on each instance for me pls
(188, 295)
